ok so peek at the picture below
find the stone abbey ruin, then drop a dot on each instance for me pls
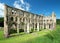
(18, 19)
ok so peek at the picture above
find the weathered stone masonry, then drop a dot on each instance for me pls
(19, 19)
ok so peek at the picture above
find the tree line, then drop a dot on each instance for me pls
(58, 21)
(1, 22)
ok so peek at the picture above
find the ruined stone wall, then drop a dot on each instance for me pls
(18, 19)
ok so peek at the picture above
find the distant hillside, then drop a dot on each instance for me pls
(2, 21)
(58, 21)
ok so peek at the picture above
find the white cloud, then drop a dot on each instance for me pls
(1, 9)
(22, 5)
(22, 1)
(27, 6)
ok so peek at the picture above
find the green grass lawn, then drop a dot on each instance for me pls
(44, 36)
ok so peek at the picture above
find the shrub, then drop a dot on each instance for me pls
(12, 31)
(21, 30)
(15, 31)
(35, 29)
(31, 30)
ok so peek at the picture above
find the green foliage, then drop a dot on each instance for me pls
(22, 23)
(58, 21)
(1, 19)
(12, 31)
(35, 29)
(32, 30)
(21, 30)
(15, 31)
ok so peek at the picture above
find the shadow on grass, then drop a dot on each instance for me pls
(16, 34)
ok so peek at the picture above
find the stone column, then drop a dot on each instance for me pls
(34, 27)
(30, 24)
(14, 22)
(43, 24)
(37, 26)
(27, 27)
(47, 26)
(6, 32)
(53, 25)
(18, 22)
(14, 19)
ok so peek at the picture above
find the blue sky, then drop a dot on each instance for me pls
(45, 7)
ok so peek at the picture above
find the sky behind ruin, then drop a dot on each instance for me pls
(45, 7)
